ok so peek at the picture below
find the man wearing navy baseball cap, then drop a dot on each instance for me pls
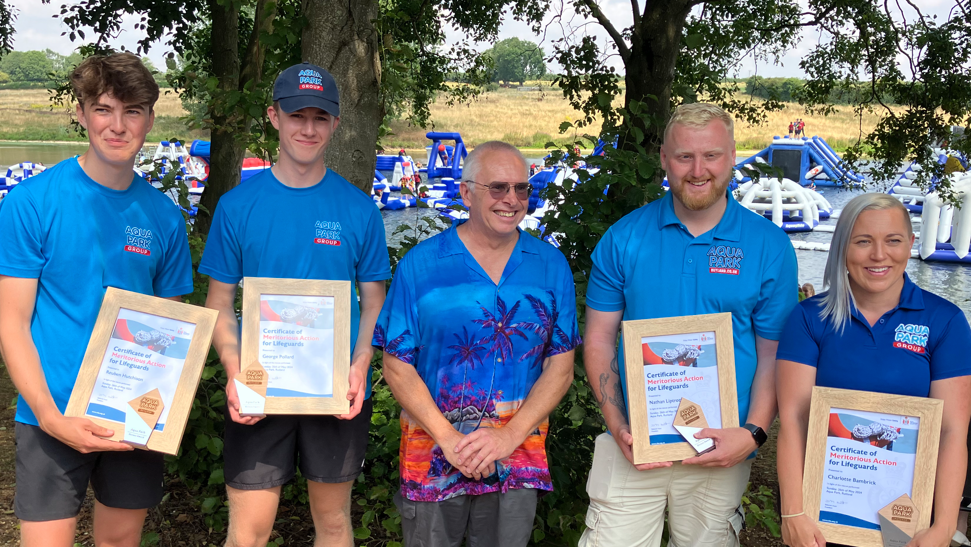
(297, 220)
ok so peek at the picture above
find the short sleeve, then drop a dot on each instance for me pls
(173, 277)
(778, 294)
(605, 289)
(566, 333)
(21, 253)
(397, 329)
(374, 264)
(223, 258)
(949, 355)
(797, 343)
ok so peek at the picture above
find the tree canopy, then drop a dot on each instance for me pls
(516, 60)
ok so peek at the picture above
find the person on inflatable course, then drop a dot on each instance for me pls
(85, 224)
(791, 126)
(899, 339)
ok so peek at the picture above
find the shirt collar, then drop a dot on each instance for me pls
(728, 228)
(911, 297)
(450, 244)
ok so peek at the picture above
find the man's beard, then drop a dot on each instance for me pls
(694, 202)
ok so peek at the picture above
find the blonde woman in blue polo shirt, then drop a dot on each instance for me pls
(846, 338)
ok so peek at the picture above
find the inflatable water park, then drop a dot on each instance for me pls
(17, 173)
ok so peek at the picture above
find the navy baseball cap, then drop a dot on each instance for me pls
(306, 85)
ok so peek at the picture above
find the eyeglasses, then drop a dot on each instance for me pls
(498, 190)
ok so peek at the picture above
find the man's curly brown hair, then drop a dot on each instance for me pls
(121, 75)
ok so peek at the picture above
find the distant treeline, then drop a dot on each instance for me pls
(36, 69)
(789, 89)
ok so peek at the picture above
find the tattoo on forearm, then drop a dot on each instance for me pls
(617, 399)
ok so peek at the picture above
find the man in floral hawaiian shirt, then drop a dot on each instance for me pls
(478, 333)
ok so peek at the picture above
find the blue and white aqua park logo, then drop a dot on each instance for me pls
(723, 259)
(911, 337)
(327, 232)
(311, 79)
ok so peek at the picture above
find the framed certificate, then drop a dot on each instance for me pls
(295, 351)
(142, 367)
(671, 359)
(864, 451)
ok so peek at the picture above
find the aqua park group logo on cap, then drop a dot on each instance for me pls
(911, 337)
(310, 79)
(723, 259)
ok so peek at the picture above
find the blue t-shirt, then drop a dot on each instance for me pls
(479, 347)
(77, 238)
(925, 338)
(650, 266)
(331, 230)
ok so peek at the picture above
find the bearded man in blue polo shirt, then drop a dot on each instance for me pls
(478, 335)
(695, 251)
(297, 220)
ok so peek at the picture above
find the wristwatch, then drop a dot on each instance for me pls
(757, 433)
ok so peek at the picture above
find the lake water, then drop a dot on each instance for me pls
(950, 280)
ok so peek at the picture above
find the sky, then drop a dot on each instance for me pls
(37, 29)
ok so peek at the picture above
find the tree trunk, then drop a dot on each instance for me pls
(655, 45)
(227, 149)
(226, 154)
(340, 37)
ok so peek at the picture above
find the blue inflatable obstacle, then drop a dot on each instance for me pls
(808, 161)
(444, 160)
(909, 192)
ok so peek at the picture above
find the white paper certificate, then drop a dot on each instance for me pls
(869, 463)
(679, 366)
(145, 352)
(297, 345)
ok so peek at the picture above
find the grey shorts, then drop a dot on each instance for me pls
(267, 453)
(52, 477)
(487, 520)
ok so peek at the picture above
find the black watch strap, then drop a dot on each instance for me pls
(758, 434)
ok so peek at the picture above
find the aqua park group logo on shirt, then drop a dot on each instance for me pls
(310, 79)
(723, 259)
(911, 337)
(138, 240)
(327, 233)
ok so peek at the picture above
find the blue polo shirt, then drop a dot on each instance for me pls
(479, 347)
(924, 338)
(650, 266)
(331, 230)
(77, 238)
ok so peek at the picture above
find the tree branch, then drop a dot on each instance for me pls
(608, 26)
(819, 18)
(637, 13)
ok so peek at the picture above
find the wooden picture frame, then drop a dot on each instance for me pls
(116, 305)
(824, 400)
(634, 333)
(254, 288)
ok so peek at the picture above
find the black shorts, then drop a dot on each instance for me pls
(52, 477)
(265, 454)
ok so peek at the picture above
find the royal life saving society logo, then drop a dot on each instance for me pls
(310, 79)
(911, 337)
(723, 259)
(138, 240)
(327, 233)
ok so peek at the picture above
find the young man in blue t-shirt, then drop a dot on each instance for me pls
(68, 240)
(298, 220)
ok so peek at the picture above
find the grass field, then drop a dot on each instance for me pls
(527, 119)
(27, 115)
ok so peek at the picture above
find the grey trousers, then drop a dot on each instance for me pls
(489, 520)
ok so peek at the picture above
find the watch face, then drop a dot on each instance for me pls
(758, 433)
